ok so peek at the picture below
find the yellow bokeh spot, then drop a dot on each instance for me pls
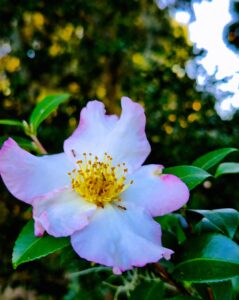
(7, 103)
(74, 87)
(196, 105)
(140, 61)
(183, 123)
(180, 72)
(4, 85)
(12, 64)
(7, 92)
(155, 138)
(172, 104)
(168, 129)
(27, 17)
(38, 20)
(72, 122)
(172, 117)
(54, 49)
(101, 91)
(66, 32)
(192, 117)
(27, 32)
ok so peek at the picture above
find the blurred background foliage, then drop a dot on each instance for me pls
(102, 50)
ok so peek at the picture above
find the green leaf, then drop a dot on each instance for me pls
(212, 158)
(45, 108)
(235, 284)
(190, 175)
(227, 168)
(148, 290)
(222, 290)
(28, 247)
(225, 220)
(183, 298)
(172, 224)
(11, 122)
(208, 258)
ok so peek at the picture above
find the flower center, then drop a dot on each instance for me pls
(99, 182)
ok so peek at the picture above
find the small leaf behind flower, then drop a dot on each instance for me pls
(45, 108)
(208, 258)
(222, 290)
(227, 168)
(212, 158)
(190, 175)
(28, 247)
(10, 122)
(184, 297)
(172, 224)
(148, 290)
(225, 220)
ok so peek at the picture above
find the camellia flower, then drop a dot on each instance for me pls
(97, 191)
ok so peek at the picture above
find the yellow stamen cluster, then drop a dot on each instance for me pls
(99, 182)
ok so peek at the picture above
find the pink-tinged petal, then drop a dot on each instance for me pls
(157, 193)
(128, 142)
(62, 213)
(93, 128)
(120, 239)
(124, 138)
(27, 176)
(38, 229)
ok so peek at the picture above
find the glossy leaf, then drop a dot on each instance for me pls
(45, 108)
(222, 290)
(183, 298)
(11, 122)
(148, 290)
(235, 284)
(190, 175)
(208, 258)
(173, 224)
(212, 158)
(28, 247)
(225, 220)
(227, 168)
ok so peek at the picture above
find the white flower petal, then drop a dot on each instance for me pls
(120, 239)
(157, 193)
(61, 213)
(128, 142)
(27, 176)
(123, 139)
(91, 132)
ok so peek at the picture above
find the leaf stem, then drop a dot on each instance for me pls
(38, 144)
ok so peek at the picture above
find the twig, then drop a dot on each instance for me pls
(210, 293)
(166, 277)
(38, 144)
